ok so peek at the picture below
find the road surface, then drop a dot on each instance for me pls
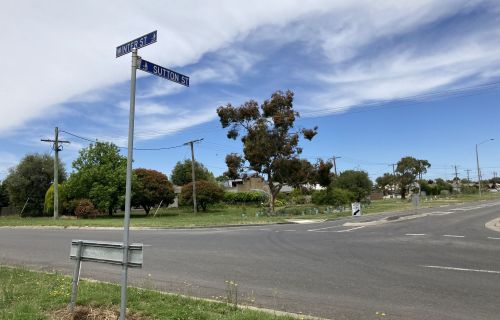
(443, 265)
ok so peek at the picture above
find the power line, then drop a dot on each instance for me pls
(138, 149)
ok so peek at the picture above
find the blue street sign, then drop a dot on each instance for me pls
(164, 73)
(138, 43)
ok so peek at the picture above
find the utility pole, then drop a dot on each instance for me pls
(468, 177)
(456, 173)
(393, 168)
(477, 162)
(193, 176)
(56, 149)
(335, 164)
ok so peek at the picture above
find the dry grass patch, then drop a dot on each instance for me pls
(93, 313)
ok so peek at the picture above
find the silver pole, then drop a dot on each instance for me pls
(478, 171)
(195, 207)
(56, 174)
(128, 188)
(76, 277)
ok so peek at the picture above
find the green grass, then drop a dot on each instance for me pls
(28, 295)
(235, 215)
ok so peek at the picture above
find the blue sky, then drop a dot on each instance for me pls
(381, 80)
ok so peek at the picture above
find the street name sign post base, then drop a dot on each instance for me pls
(103, 252)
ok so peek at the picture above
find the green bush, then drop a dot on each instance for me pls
(48, 208)
(207, 192)
(333, 196)
(245, 197)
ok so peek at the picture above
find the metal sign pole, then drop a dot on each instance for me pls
(76, 277)
(128, 190)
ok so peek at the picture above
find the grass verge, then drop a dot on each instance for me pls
(236, 215)
(29, 295)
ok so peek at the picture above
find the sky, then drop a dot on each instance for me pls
(381, 79)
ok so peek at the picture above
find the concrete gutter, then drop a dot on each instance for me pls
(493, 225)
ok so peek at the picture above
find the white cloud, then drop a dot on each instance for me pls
(58, 50)
(7, 161)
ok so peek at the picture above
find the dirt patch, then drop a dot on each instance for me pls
(93, 313)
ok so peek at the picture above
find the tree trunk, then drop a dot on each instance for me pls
(110, 211)
(147, 209)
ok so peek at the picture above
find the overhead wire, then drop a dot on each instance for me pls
(137, 149)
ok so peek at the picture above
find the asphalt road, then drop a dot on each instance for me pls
(445, 265)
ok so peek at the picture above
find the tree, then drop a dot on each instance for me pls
(234, 164)
(99, 175)
(207, 192)
(151, 188)
(356, 182)
(48, 207)
(408, 168)
(268, 141)
(385, 181)
(4, 196)
(30, 179)
(294, 172)
(182, 174)
(324, 177)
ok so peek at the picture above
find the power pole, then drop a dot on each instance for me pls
(468, 177)
(456, 173)
(393, 168)
(192, 172)
(56, 148)
(335, 164)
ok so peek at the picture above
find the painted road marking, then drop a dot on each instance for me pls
(453, 236)
(440, 213)
(415, 234)
(323, 228)
(493, 238)
(462, 269)
(349, 230)
(289, 230)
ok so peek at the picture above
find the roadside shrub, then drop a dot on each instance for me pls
(85, 209)
(245, 197)
(336, 197)
(206, 193)
(48, 208)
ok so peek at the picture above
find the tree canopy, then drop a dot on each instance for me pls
(151, 188)
(323, 174)
(182, 175)
(4, 196)
(408, 169)
(356, 182)
(267, 136)
(387, 180)
(207, 192)
(30, 179)
(99, 175)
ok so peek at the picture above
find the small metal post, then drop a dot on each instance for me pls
(128, 186)
(76, 277)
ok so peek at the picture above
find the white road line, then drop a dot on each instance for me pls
(462, 269)
(265, 229)
(415, 234)
(493, 238)
(459, 209)
(323, 228)
(440, 213)
(289, 230)
(349, 230)
(453, 236)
